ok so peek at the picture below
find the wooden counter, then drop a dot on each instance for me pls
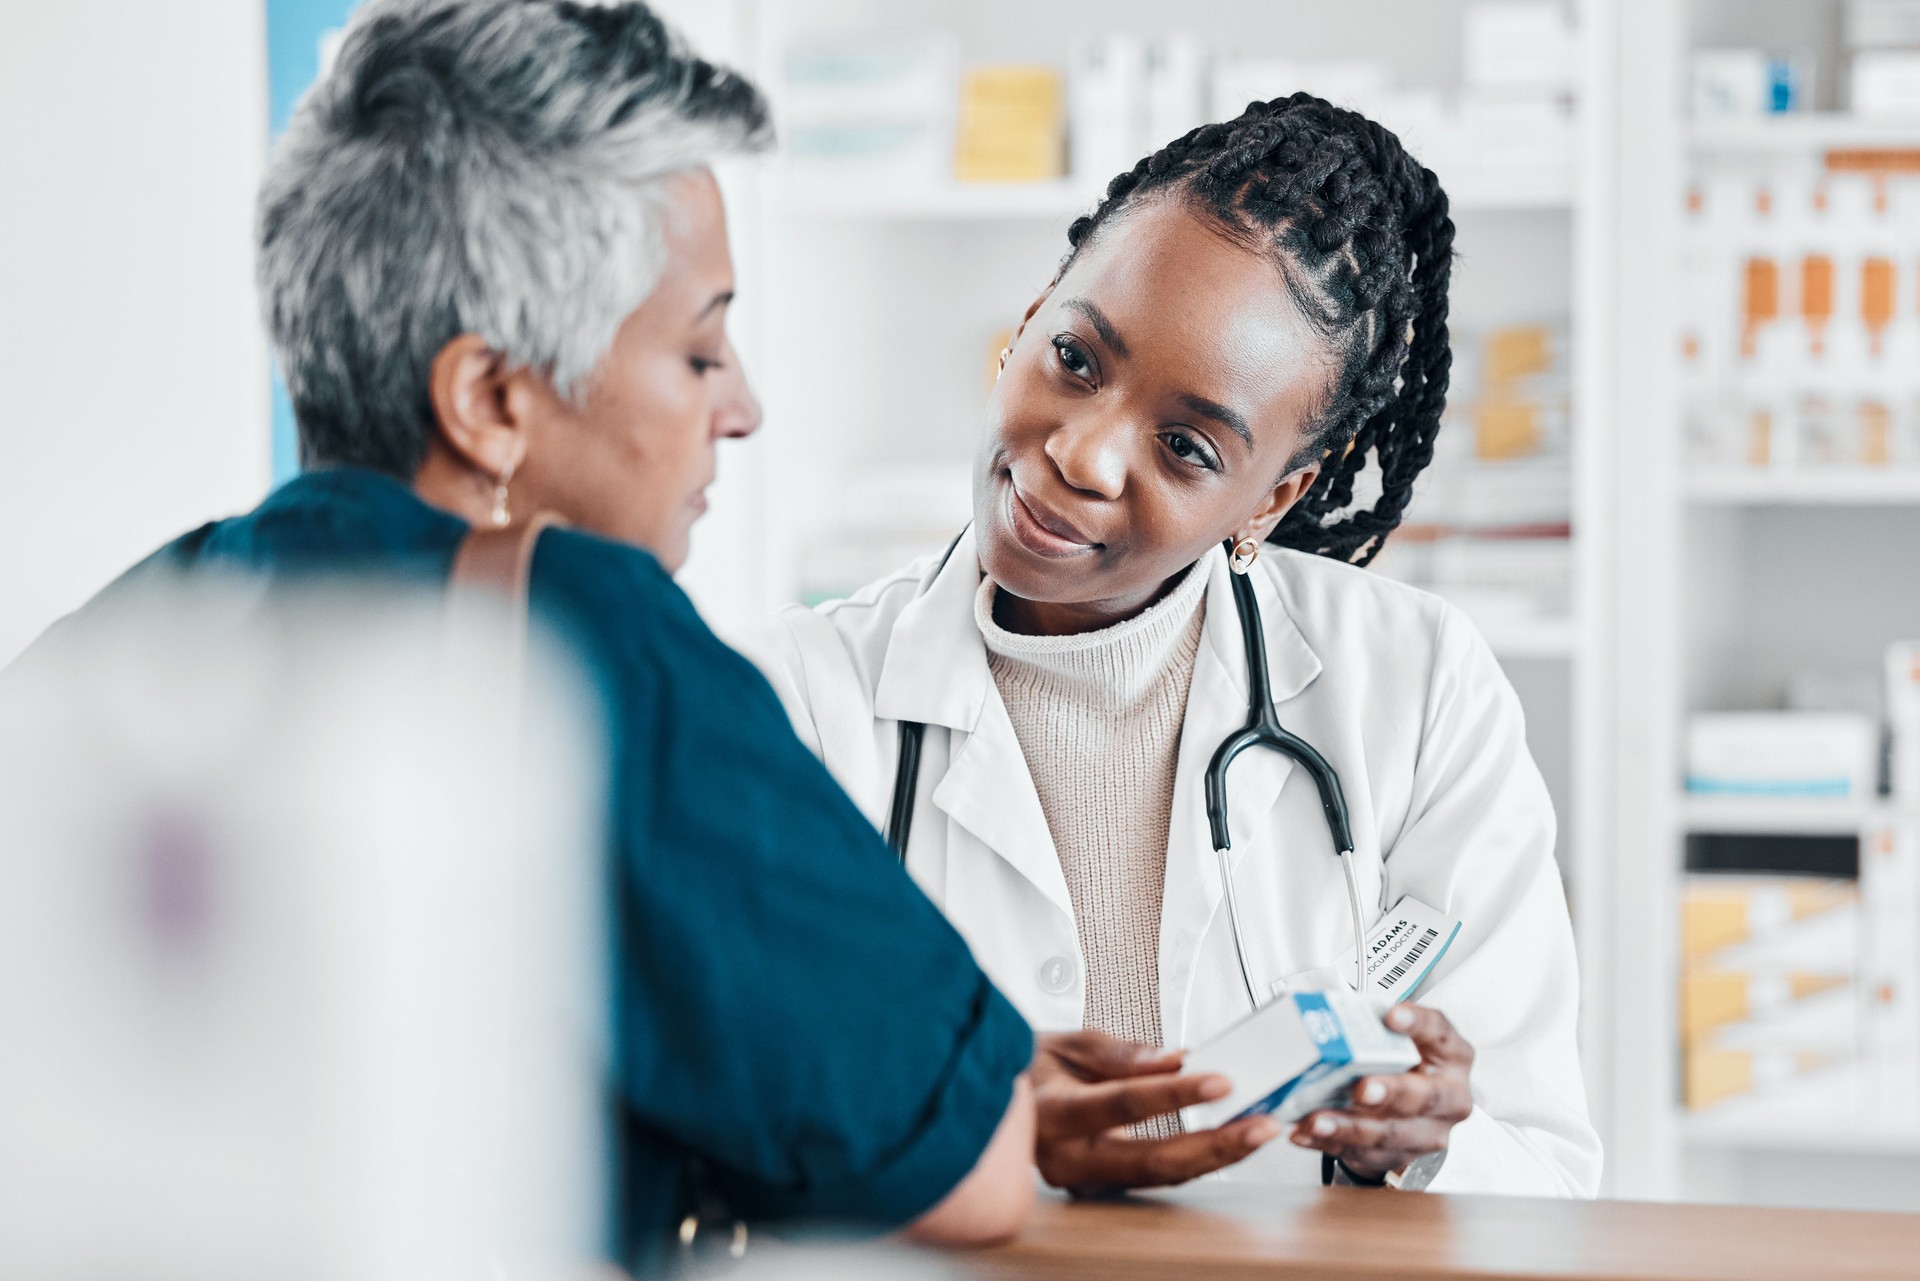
(1226, 1230)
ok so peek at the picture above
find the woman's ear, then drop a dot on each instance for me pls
(1291, 489)
(474, 413)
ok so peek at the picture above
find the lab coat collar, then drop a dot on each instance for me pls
(935, 669)
(1216, 708)
(936, 672)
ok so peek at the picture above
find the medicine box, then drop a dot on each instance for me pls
(1298, 1054)
(1798, 754)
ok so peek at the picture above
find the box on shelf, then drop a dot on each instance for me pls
(1712, 998)
(1774, 912)
(1783, 754)
(1012, 125)
(1749, 82)
(1107, 99)
(1885, 82)
(1178, 89)
(1712, 1077)
(1769, 990)
(879, 110)
(1800, 338)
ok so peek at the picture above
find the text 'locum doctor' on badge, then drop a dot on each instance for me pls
(1401, 950)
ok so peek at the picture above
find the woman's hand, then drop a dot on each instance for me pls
(1394, 1120)
(1089, 1085)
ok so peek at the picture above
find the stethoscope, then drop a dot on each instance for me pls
(1263, 729)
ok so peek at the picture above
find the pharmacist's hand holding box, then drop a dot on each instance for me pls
(1379, 1094)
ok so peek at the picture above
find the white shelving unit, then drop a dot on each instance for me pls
(1725, 583)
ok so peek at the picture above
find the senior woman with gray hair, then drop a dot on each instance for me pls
(494, 265)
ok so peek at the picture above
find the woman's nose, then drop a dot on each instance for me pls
(1090, 456)
(736, 410)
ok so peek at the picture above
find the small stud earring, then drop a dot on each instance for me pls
(1245, 552)
(1004, 353)
(501, 516)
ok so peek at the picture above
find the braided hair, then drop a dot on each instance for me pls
(1364, 241)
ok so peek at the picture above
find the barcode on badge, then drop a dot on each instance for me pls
(1414, 953)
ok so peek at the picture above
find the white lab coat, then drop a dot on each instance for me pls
(1398, 691)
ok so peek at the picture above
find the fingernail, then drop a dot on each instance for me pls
(1372, 1092)
(1325, 1126)
(1301, 1137)
(1263, 1131)
(1215, 1087)
(1400, 1018)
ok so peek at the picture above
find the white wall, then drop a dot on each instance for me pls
(133, 371)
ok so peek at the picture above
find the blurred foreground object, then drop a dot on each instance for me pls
(301, 949)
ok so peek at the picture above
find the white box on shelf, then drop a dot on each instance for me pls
(1780, 754)
(1178, 98)
(879, 111)
(1519, 44)
(1748, 82)
(1106, 106)
(1885, 82)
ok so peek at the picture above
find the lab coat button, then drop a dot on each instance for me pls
(1056, 976)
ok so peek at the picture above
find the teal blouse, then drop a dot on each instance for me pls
(792, 1014)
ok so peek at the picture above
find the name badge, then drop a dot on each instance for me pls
(1401, 950)
(1403, 947)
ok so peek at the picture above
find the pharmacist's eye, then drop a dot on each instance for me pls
(1190, 450)
(1074, 358)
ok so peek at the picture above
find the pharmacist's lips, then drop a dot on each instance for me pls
(1049, 520)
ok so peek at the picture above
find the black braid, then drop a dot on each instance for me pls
(1365, 244)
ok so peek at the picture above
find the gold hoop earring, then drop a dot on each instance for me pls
(1245, 552)
(501, 516)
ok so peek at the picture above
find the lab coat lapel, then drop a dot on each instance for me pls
(936, 672)
(1216, 708)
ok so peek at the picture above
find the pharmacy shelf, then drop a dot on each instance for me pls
(1489, 189)
(1782, 816)
(1760, 487)
(1863, 1137)
(1823, 131)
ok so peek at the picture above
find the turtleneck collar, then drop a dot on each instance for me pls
(1113, 667)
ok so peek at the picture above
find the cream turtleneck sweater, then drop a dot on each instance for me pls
(1098, 717)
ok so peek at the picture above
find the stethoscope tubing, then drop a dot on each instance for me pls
(1262, 729)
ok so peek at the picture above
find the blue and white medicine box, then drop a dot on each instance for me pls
(1298, 1054)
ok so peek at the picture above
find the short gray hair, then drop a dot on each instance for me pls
(475, 166)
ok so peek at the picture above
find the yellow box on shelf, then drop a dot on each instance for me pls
(1012, 125)
(1723, 911)
(1712, 999)
(1714, 1076)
